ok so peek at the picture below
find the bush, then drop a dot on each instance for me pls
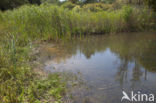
(95, 7)
(68, 5)
(10, 4)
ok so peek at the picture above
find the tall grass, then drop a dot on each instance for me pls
(17, 81)
(51, 22)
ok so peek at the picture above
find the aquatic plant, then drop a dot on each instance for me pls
(51, 22)
(21, 26)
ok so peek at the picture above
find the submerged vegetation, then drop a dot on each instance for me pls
(21, 26)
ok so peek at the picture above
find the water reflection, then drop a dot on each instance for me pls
(108, 64)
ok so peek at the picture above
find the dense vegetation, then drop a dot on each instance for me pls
(19, 83)
(10, 4)
(51, 22)
(20, 27)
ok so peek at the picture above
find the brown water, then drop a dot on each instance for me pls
(104, 66)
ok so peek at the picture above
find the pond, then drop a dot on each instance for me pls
(105, 65)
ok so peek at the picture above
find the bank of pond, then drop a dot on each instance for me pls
(22, 30)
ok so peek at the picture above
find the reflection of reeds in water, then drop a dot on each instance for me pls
(127, 48)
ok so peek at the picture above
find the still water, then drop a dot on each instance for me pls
(105, 65)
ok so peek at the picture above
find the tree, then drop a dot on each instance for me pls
(90, 1)
(9, 4)
(107, 1)
(74, 1)
(34, 2)
(152, 4)
(94, 1)
(50, 1)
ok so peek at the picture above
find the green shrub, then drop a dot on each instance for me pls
(127, 13)
(95, 7)
(68, 5)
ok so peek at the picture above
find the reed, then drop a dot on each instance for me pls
(21, 26)
(51, 22)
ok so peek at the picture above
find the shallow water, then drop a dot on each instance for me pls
(108, 64)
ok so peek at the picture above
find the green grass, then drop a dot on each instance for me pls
(53, 22)
(18, 82)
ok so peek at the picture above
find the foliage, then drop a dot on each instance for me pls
(108, 1)
(49, 1)
(97, 7)
(18, 84)
(53, 22)
(34, 1)
(68, 5)
(48, 22)
(152, 3)
(90, 1)
(10, 4)
(97, 1)
(74, 1)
